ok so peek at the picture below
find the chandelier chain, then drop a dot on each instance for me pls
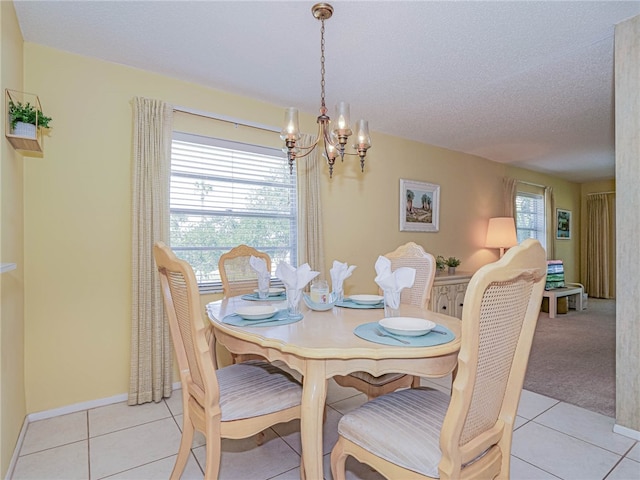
(322, 63)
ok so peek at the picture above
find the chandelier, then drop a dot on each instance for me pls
(335, 135)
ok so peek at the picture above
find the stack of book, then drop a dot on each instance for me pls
(555, 274)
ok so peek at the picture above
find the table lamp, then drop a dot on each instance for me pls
(501, 234)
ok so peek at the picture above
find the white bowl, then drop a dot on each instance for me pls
(256, 312)
(407, 326)
(366, 299)
(274, 291)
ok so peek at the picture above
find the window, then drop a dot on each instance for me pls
(224, 194)
(530, 218)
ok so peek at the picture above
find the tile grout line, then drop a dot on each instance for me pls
(537, 467)
(134, 426)
(581, 440)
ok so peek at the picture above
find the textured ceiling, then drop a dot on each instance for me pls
(523, 82)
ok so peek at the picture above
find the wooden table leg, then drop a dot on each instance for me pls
(314, 393)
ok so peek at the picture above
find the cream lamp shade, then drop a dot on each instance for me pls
(501, 233)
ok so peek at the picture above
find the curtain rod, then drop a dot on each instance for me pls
(225, 118)
(600, 193)
(532, 184)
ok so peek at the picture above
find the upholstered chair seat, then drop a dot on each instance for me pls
(415, 413)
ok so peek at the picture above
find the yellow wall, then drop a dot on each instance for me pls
(12, 374)
(77, 215)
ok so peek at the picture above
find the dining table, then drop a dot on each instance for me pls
(327, 343)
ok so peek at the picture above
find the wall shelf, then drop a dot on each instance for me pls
(21, 141)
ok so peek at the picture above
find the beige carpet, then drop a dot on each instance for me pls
(573, 357)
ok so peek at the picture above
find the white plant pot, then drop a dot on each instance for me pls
(27, 130)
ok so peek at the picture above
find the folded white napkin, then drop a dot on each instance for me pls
(392, 283)
(338, 273)
(260, 267)
(295, 278)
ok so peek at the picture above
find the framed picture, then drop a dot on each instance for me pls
(563, 224)
(419, 206)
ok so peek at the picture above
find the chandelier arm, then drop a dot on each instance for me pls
(302, 155)
(309, 147)
(326, 134)
(314, 144)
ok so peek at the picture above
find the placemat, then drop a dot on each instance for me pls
(346, 303)
(254, 296)
(366, 331)
(280, 318)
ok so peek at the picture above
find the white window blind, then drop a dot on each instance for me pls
(224, 194)
(530, 217)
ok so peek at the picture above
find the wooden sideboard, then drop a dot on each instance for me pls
(447, 294)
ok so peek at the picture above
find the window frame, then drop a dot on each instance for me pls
(292, 214)
(540, 212)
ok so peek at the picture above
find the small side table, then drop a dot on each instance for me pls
(556, 293)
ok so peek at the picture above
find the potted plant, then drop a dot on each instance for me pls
(441, 262)
(452, 263)
(23, 118)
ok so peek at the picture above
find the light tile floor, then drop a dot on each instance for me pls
(552, 440)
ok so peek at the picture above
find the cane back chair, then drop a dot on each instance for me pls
(235, 270)
(409, 255)
(233, 402)
(424, 433)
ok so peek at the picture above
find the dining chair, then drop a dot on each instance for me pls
(236, 273)
(233, 402)
(239, 278)
(408, 255)
(425, 433)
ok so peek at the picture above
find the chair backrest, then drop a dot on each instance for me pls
(413, 255)
(501, 309)
(236, 273)
(189, 331)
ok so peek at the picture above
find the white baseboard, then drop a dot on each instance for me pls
(627, 432)
(78, 407)
(56, 412)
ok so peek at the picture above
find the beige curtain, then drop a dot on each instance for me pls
(509, 196)
(550, 214)
(310, 238)
(600, 245)
(151, 354)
